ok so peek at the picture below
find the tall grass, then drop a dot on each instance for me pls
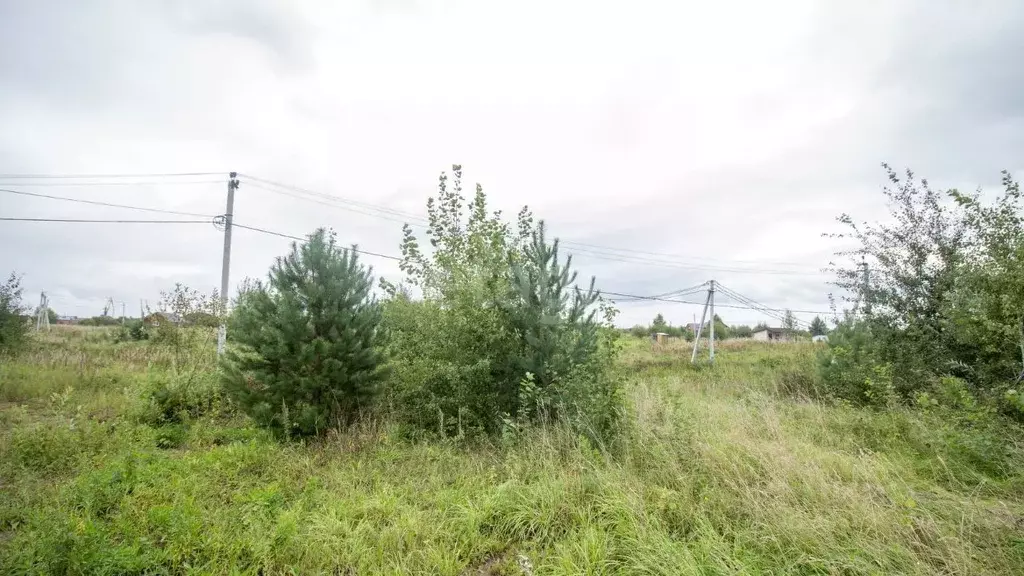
(734, 468)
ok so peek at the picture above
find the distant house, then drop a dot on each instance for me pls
(156, 318)
(819, 338)
(67, 320)
(772, 335)
(693, 326)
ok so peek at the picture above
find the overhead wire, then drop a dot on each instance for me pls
(369, 209)
(687, 266)
(108, 204)
(778, 312)
(103, 221)
(340, 206)
(301, 239)
(107, 184)
(668, 255)
(601, 252)
(96, 176)
(330, 197)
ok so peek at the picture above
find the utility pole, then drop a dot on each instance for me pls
(122, 311)
(43, 315)
(700, 328)
(711, 338)
(226, 264)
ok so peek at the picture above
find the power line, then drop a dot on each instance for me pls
(96, 176)
(596, 251)
(355, 209)
(89, 221)
(634, 298)
(330, 197)
(685, 266)
(108, 204)
(300, 239)
(107, 184)
(674, 293)
(664, 254)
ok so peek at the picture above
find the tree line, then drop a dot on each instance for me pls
(723, 331)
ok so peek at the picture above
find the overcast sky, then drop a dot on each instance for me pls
(726, 134)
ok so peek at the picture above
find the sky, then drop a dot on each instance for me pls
(723, 136)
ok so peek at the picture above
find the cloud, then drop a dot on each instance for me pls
(726, 134)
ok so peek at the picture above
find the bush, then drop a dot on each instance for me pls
(306, 357)
(939, 288)
(132, 331)
(13, 327)
(175, 398)
(851, 368)
(502, 333)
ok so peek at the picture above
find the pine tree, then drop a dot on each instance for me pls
(307, 358)
(659, 324)
(554, 317)
(818, 327)
(789, 320)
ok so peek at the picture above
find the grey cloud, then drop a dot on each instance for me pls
(265, 22)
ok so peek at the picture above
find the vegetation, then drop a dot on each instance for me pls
(722, 330)
(818, 327)
(484, 418)
(308, 357)
(116, 459)
(13, 326)
(937, 297)
(502, 336)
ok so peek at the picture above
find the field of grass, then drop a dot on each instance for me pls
(724, 470)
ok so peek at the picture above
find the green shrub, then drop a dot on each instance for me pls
(173, 398)
(13, 326)
(850, 367)
(502, 333)
(132, 331)
(307, 356)
(939, 288)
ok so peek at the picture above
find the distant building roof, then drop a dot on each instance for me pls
(771, 330)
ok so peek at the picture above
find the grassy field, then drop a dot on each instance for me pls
(724, 470)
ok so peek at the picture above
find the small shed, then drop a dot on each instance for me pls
(772, 335)
(659, 337)
(819, 338)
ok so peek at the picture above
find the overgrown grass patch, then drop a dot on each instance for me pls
(714, 471)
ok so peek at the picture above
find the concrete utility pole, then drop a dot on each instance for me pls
(226, 264)
(122, 312)
(700, 328)
(43, 315)
(711, 337)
